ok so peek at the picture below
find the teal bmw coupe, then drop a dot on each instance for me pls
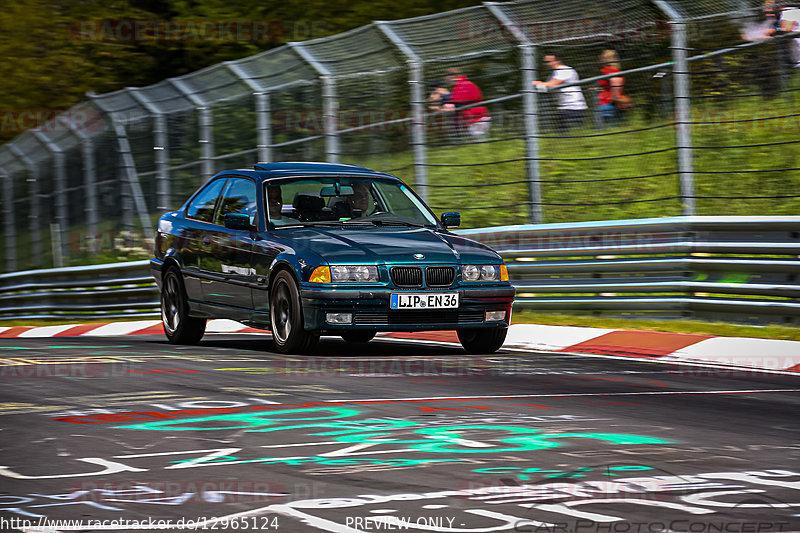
(310, 249)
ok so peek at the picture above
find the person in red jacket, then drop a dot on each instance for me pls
(474, 120)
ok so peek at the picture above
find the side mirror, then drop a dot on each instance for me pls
(238, 221)
(451, 220)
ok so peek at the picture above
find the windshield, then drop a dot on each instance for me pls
(344, 201)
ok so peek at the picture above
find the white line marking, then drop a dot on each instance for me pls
(565, 395)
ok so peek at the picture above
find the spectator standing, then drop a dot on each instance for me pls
(475, 120)
(571, 104)
(790, 23)
(766, 74)
(611, 89)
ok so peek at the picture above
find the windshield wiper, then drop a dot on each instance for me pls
(310, 224)
(384, 222)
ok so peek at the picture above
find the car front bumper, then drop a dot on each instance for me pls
(371, 310)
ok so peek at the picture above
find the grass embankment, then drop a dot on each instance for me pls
(732, 151)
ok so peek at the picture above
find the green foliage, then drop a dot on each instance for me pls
(55, 51)
(47, 67)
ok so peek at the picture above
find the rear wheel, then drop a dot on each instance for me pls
(179, 327)
(358, 336)
(482, 341)
(286, 316)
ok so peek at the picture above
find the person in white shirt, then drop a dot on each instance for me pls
(790, 23)
(571, 104)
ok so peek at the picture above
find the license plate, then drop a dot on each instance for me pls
(437, 300)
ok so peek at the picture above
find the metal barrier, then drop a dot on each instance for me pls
(737, 269)
(97, 291)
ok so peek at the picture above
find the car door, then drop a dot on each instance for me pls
(199, 216)
(267, 247)
(227, 265)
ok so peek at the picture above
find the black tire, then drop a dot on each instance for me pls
(482, 341)
(286, 316)
(358, 336)
(179, 327)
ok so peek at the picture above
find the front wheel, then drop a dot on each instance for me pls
(482, 341)
(179, 327)
(286, 316)
(359, 336)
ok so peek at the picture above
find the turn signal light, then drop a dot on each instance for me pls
(503, 272)
(321, 274)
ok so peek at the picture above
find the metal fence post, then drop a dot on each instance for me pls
(89, 180)
(128, 171)
(263, 112)
(9, 229)
(60, 191)
(160, 149)
(679, 45)
(206, 122)
(34, 222)
(530, 102)
(416, 80)
(683, 116)
(329, 102)
(206, 141)
(264, 125)
(330, 116)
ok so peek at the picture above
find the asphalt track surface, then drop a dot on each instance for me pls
(388, 436)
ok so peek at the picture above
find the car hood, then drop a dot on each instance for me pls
(388, 245)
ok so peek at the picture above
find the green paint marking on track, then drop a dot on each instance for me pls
(446, 439)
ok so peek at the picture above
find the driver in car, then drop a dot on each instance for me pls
(275, 202)
(361, 200)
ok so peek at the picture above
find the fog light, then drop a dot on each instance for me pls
(340, 318)
(495, 316)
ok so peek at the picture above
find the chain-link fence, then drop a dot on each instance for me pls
(709, 125)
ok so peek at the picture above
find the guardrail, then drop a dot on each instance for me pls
(97, 291)
(737, 269)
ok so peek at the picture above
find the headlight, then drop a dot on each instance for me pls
(354, 273)
(470, 273)
(481, 272)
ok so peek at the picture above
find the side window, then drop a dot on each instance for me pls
(202, 207)
(239, 197)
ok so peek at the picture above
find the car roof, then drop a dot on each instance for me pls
(264, 171)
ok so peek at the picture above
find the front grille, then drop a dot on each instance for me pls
(440, 276)
(404, 318)
(410, 276)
